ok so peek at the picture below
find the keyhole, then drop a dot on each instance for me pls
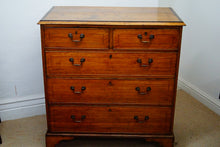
(145, 33)
(110, 56)
(110, 83)
(110, 110)
(76, 32)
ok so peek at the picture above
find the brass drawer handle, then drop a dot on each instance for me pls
(150, 60)
(143, 93)
(78, 121)
(141, 121)
(78, 92)
(70, 35)
(81, 60)
(143, 41)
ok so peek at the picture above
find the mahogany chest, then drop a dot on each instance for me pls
(110, 72)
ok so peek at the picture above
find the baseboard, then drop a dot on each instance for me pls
(15, 108)
(200, 95)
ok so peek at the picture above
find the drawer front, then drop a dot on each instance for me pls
(146, 39)
(114, 64)
(77, 38)
(108, 91)
(100, 119)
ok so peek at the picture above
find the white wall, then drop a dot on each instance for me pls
(165, 3)
(200, 62)
(21, 80)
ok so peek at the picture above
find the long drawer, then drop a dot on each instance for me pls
(118, 64)
(77, 38)
(112, 119)
(110, 91)
(143, 39)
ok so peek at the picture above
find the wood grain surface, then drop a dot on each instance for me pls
(163, 39)
(115, 64)
(93, 38)
(111, 15)
(110, 91)
(111, 119)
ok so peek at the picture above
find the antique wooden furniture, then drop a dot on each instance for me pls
(110, 72)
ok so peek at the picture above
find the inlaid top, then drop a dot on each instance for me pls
(111, 16)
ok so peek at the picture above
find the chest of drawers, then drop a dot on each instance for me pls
(110, 72)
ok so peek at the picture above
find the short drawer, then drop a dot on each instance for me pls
(110, 91)
(112, 119)
(154, 39)
(77, 38)
(114, 64)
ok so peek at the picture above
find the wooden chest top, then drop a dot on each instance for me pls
(112, 16)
